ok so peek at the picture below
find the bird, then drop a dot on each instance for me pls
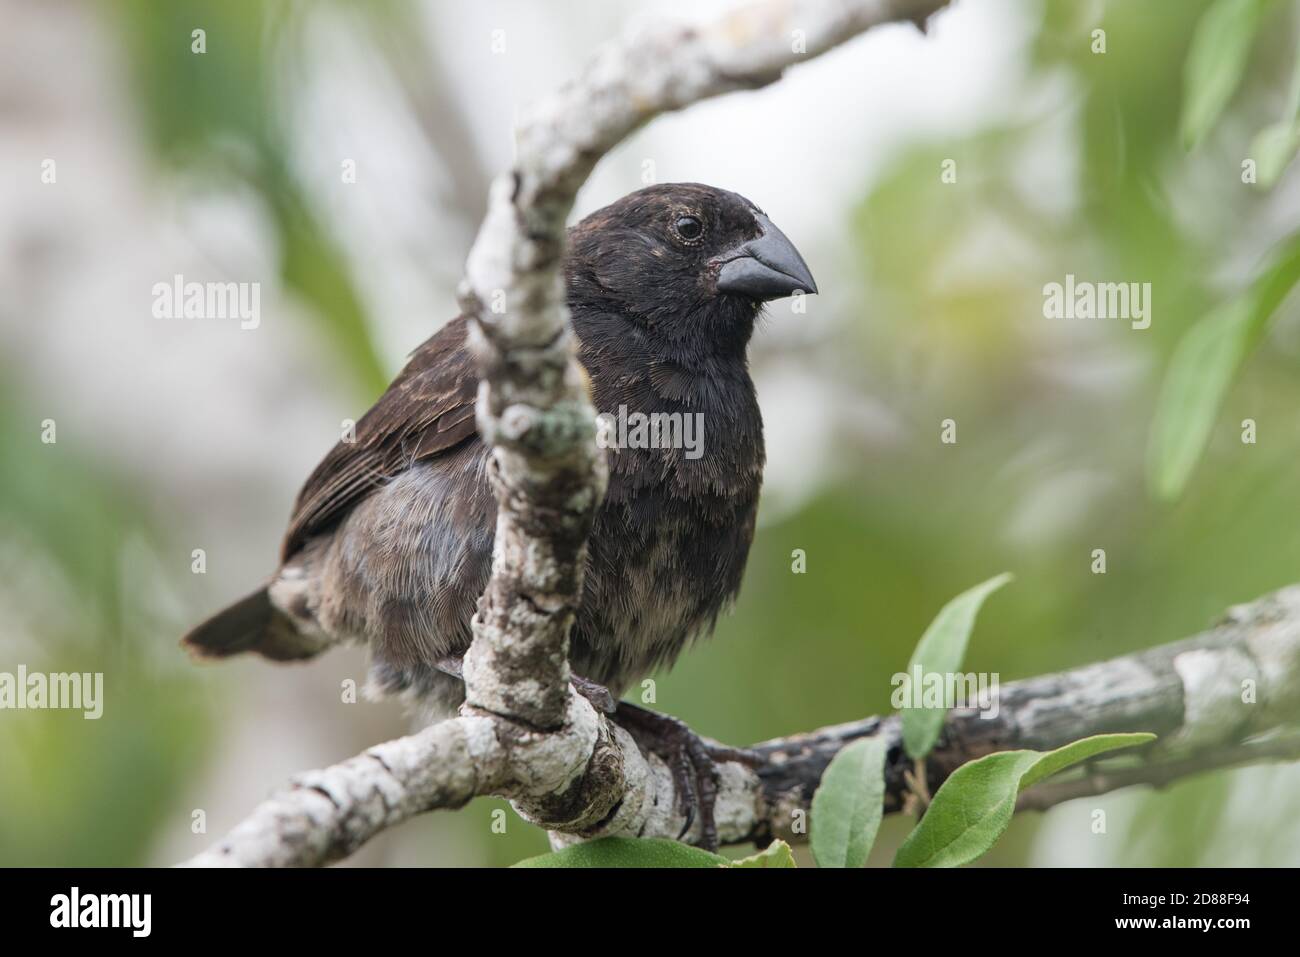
(390, 539)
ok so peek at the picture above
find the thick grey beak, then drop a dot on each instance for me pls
(768, 267)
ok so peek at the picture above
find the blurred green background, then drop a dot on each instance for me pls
(226, 164)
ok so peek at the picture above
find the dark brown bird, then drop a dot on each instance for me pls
(390, 541)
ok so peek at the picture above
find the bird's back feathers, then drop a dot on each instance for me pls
(428, 409)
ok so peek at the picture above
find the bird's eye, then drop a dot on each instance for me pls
(689, 228)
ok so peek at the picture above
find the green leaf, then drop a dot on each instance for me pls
(1199, 374)
(847, 806)
(1215, 63)
(777, 854)
(628, 852)
(1202, 369)
(940, 651)
(1275, 146)
(975, 804)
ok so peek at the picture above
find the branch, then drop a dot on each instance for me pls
(1211, 699)
(1190, 693)
(1284, 746)
(523, 733)
(534, 409)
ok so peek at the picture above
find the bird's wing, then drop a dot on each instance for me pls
(428, 409)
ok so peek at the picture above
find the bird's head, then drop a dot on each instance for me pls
(690, 265)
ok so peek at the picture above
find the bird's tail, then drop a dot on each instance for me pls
(250, 624)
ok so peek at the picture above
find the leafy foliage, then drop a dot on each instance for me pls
(940, 651)
(777, 855)
(975, 805)
(1276, 144)
(1216, 62)
(847, 806)
(1202, 370)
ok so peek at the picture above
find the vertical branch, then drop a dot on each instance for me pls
(545, 468)
(534, 408)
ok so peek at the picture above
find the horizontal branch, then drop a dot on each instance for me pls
(1206, 697)
(1226, 697)
(1284, 746)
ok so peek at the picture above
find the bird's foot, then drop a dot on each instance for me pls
(692, 760)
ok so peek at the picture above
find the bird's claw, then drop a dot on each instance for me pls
(691, 760)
